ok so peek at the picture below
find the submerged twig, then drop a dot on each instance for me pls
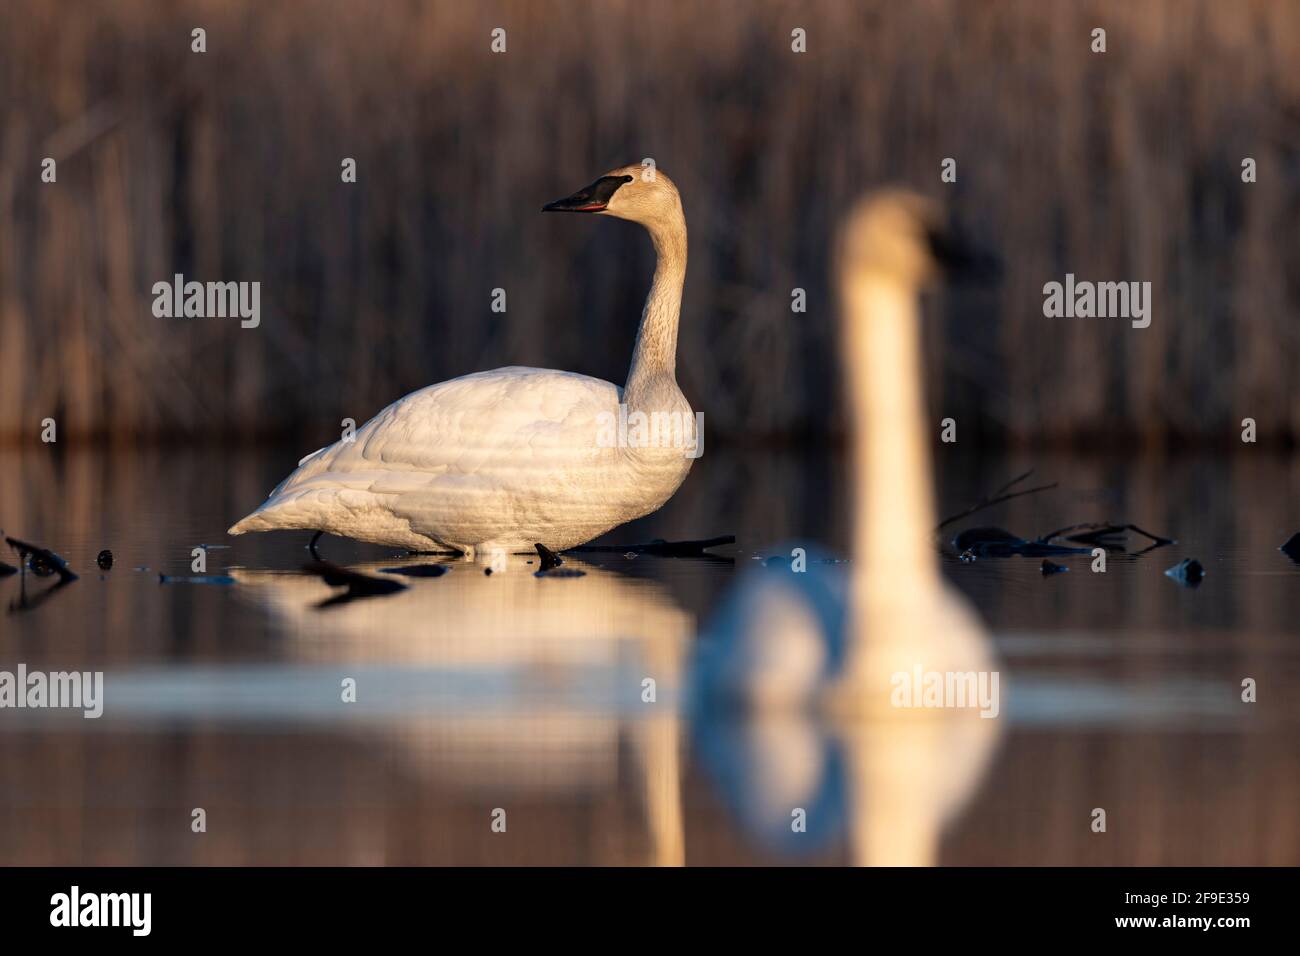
(1000, 543)
(42, 559)
(418, 570)
(25, 603)
(196, 579)
(1188, 572)
(358, 585)
(547, 559)
(1098, 532)
(663, 549)
(999, 496)
(550, 565)
(43, 563)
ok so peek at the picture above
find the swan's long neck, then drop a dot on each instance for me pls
(654, 358)
(894, 512)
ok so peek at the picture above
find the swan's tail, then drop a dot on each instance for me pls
(269, 517)
(253, 522)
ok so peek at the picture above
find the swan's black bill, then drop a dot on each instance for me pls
(591, 198)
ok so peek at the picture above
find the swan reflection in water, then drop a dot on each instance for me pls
(496, 691)
(889, 791)
(529, 684)
(509, 681)
(885, 781)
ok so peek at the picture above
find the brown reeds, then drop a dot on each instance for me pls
(225, 166)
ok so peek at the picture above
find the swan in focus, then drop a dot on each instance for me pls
(840, 649)
(516, 456)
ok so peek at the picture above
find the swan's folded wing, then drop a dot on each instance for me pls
(509, 421)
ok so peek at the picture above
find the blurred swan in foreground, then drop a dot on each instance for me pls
(516, 456)
(524, 685)
(856, 654)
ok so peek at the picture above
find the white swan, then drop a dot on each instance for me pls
(515, 456)
(809, 638)
(790, 646)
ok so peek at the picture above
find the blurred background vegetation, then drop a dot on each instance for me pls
(225, 166)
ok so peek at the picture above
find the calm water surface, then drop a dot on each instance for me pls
(477, 693)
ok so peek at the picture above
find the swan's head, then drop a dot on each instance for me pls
(640, 193)
(901, 236)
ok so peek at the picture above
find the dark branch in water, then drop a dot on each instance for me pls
(358, 585)
(196, 579)
(418, 570)
(42, 561)
(1189, 573)
(25, 603)
(1002, 494)
(1106, 534)
(548, 559)
(999, 543)
(550, 565)
(663, 549)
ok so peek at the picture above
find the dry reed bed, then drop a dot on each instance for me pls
(226, 166)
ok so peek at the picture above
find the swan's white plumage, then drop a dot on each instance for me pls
(456, 464)
(515, 456)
